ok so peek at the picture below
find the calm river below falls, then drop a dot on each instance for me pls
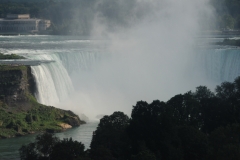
(9, 147)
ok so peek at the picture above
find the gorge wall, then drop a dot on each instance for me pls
(20, 113)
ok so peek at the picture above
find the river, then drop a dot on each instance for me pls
(9, 147)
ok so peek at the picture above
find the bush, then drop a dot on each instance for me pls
(48, 146)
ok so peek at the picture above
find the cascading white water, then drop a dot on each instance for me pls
(81, 60)
(46, 91)
(88, 66)
(53, 82)
(219, 64)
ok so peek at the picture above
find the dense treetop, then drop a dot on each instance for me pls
(200, 125)
(194, 125)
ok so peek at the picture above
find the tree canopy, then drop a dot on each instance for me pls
(49, 147)
(200, 125)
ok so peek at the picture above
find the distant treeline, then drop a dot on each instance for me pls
(227, 13)
(74, 17)
(77, 16)
(231, 42)
(67, 17)
(200, 125)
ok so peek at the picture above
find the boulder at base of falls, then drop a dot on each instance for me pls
(65, 126)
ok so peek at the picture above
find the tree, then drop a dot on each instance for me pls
(44, 144)
(152, 128)
(202, 92)
(67, 149)
(111, 138)
(224, 143)
(193, 143)
(227, 21)
(185, 110)
(28, 152)
(49, 147)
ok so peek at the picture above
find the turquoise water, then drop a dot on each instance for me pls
(9, 147)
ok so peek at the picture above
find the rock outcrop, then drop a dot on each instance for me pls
(20, 113)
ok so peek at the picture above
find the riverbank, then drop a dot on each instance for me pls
(9, 147)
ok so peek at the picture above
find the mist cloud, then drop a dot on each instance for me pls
(152, 53)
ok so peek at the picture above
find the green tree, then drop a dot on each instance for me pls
(111, 138)
(224, 143)
(193, 142)
(28, 152)
(49, 147)
(152, 128)
(227, 21)
(67, 149)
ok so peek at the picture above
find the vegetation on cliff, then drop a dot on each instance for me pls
(20, 113)
(47, 146)
(227, 13)
(230, 42)
(10, 56)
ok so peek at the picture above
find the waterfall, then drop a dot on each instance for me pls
(81, 60)
(219, 64)
(53, 82)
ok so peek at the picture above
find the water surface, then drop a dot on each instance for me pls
(9, 147)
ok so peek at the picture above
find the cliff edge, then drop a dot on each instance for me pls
(20, 113)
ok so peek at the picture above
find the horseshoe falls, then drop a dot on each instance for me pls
(219, 65)
(53, 82)
(85, 75)
(83, 69)
(67, 75)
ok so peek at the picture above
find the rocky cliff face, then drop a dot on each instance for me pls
(20, 113)
(16, 83)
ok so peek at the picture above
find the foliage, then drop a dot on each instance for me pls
(199, 125)
(10, 56)
(39, 118)
(67, 149)
(110, 138)
(71, 17)
(47, 146)
(75, 17)
(231, 42)
(227, 13)
(193, 126)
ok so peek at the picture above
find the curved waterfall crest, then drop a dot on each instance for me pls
(219, 64)
(53, 82)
